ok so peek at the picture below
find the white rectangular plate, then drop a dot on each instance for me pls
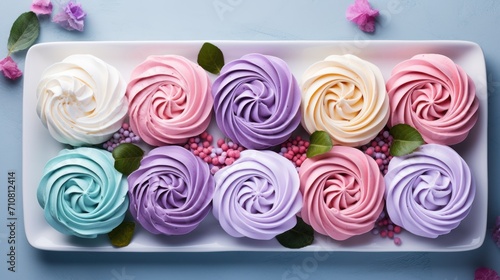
(39, 146)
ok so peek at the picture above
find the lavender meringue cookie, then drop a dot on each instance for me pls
(171, 192)
(257, 196)
(430, 191)
(257, 101)
(81, 192)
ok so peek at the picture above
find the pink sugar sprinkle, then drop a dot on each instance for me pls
(220, 142)
(397, 241)
(229, 161)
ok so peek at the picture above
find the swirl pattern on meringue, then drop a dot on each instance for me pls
(343, 192)
(82, 194)
(257, 196)
(257, 101)
(430, 191)
(345, 96)
(170, 100)
(434, 95)
(171, 192)
(81, 100)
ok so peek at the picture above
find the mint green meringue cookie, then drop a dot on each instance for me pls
(81, 192)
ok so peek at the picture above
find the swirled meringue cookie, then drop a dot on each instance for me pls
(81, 192)
(257, 101)
(171, 192)
(430, 191)
(257, 196)
(343, 192)
(81, 100)
(170, 100)
(434, 95)
(345, 96)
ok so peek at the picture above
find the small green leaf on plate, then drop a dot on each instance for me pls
(23, 32)
(301, 235)
(211, 58)
(127, 157)
(406, 139)
(122, 234)
(320, 142)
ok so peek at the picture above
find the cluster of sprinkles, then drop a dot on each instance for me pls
(379, 148)
(386, 229)
(295, 150)
(123, 135)
(224, 154)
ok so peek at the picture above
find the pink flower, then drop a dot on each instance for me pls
(496, 232)
(9, 68)
(41, 7)
(484, 273)
(363, 15)
(71, 17)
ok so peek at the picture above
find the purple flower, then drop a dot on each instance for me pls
(41, 7)
(71, 16)
(484, 273)
(362, 14)
(496, 232)
(9, 68)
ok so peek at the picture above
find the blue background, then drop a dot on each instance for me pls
(110, 20)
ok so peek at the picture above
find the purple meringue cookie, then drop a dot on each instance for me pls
(430, 191)
(257, 101)
(171, 192)
(257, 196)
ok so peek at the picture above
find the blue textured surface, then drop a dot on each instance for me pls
(112, 20)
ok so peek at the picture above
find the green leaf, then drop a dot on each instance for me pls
(24, 32)
(127, 158)
(301, 235)
(122, 234)
(406, 139)
(211, 58)
(320, 142)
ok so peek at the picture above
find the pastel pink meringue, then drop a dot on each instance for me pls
(170, 100)
(343, 192)
(434, 95)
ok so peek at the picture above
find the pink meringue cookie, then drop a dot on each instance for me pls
(343, 192)
(430, 191)
(434, 95)
(170, 100)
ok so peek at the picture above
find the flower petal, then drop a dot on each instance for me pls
(9, 68)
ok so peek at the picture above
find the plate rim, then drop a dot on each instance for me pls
(40, 47)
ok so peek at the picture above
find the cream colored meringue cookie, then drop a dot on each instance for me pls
(345, 96)
(81, 100)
